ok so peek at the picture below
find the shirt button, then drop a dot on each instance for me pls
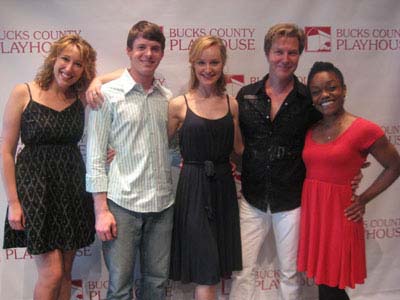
(267, 117)
(286, 103)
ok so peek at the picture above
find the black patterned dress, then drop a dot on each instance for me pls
(206, 243)
(50, 177)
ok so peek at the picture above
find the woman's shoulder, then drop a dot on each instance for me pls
(21, 93)
(177, 106)
(367, 124)
(233, 104)
(364, 132)
(21, 89)
(18, 100)
(232, 100)
(177, 101)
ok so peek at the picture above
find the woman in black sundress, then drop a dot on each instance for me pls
(206, 235)
(49, 211)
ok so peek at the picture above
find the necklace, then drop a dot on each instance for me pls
(331, 131)
(328, 129)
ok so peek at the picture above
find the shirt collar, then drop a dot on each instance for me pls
(298, 88)
(128, 84)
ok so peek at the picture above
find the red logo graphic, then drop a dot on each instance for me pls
(318, 39)
(77, 289)
(235, 79)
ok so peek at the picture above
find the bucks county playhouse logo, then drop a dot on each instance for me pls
(318, 39)
(234, 38)
(382, 228)
(235, 79)
(77, 290)
(392, 131)
(234, 82)
(327, 39)
(16, 41)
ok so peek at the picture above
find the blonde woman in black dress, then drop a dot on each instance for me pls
(49, 211)
(206, 234)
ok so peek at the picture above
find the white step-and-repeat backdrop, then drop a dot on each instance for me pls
(361, 37)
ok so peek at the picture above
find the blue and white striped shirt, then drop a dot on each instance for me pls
(135, 125)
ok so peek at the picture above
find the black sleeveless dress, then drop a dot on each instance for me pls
(206, 243)
(50, 177)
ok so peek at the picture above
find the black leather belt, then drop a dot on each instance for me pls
(210, 167)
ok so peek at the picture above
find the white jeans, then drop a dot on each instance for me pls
(255, 225)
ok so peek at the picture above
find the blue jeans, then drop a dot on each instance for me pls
(150, 233)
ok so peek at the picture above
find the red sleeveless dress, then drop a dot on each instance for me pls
(332, 248)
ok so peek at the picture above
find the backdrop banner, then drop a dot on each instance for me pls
(361, 37)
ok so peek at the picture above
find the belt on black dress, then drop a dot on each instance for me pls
(211, 168)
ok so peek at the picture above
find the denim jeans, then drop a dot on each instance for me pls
(150, 233)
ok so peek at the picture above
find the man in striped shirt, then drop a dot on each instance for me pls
(133, 199)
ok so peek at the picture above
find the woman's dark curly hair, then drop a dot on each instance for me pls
(322, 66)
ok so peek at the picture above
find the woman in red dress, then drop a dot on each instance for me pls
(332, 246)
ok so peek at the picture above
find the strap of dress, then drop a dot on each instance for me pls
(184, 96)
(229, 106)
(29, 90)
(76, 95)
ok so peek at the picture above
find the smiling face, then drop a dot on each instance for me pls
(327, 93)
(68, 67)
(283, 57)
(145, 56)
(208, 66)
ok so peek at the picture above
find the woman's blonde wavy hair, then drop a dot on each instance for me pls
(45, 75)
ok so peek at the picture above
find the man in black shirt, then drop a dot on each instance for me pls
(274, 115)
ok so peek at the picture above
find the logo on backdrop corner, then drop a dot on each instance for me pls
(318, 39)
(392, 131)
(237, 79)
(77, 289)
